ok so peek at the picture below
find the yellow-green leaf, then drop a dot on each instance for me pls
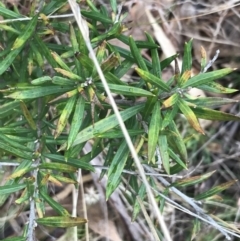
(64, 116)
(209, 114)
(153, 131)
(28, 116)
(58, 167)
(148, 77)
(55, 205)
(105, 124)
(39, 91)
(170, 101)
(215, 190)
(7, 189)
(204, 78)
(192, 180)
(76, 120)
(61, 222)
(189, 114)
(163, 147)
(26, 34)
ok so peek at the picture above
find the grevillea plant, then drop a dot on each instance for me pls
(53, 102)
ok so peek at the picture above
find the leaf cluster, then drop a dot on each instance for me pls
(53, 102)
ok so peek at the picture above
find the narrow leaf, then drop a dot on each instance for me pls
(15, 151)
(64, 116)
(163, 147)
(61, 222)
(61, 167)
(189, 114)
(55, 205)
(116, 168)
(137, 54)
(209, 114)
(148, 77)
(127, 90)
(76, 121)
(215, 190)
(204, 78)
(26, 33)
(28, 115)
(39, 92)
(7, 189)
(192, 180)
(105, 124)
(153, 132)
(187, 57)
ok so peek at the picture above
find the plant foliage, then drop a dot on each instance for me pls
(53, 102)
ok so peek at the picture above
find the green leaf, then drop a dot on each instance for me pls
(127, 55)
(176, 158)
(137, 54)
(148, 77)
(8, 60)
(61, 222)
(111, 33)
(176, 141)
(113, 79)
(39, 92)
(60, 167)
(215, 190)
(204, 78)
(21, 170)
(169, 114)
(93, 15)
(60, 62)
(105, 125)
(187, 57)
(114, 5)
(55, 205)
(137, 207)
(45, 50)
(155, 58)
(192, 180)
(163, 147)
(24, 164)
(76, 121)
(9, 14)
(41, 80)
(217, 88)
(189, 114)
(73, 38)
(57, 80)
(7, 108)
(140, 44)
(65, 115)
(79, 163)
(28, 115)
(26, 33)
(14, 143)
(15, 151)
(116, 168)
(211, 101)
(153, 131)
(209, 114)
(127, 90)
(14, 239)
(118, 133)
(64, 179)
(7, 189)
